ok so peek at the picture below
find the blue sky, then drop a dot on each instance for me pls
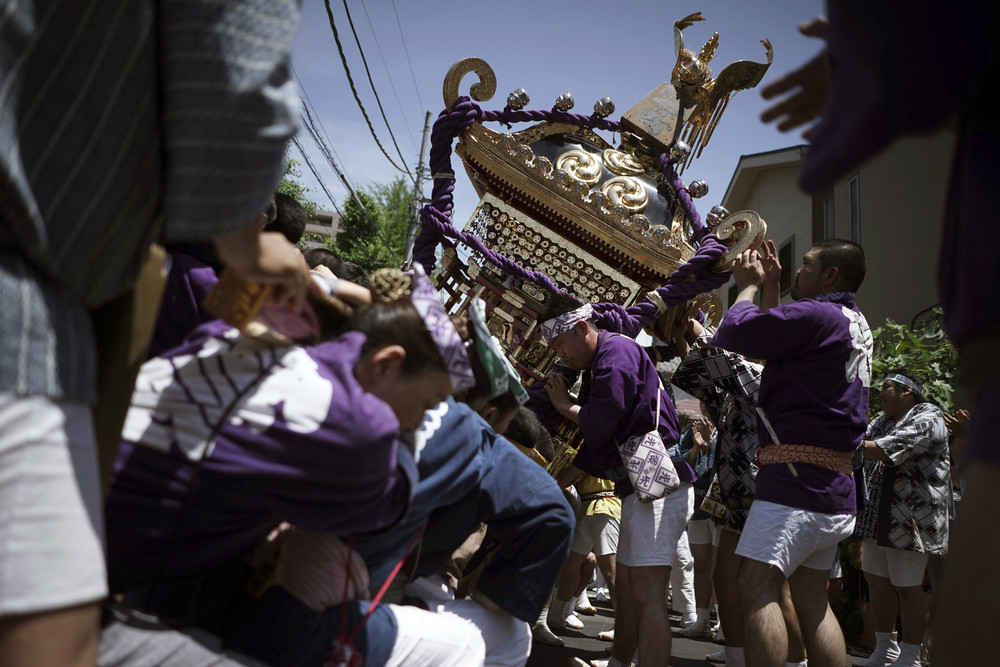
(591, 49)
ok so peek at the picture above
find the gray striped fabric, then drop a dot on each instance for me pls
(122, 122)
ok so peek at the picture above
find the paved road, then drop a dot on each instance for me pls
(584, 644)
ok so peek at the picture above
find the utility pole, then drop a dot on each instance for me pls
(418, 192)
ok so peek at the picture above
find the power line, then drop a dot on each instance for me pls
(354, 90)
(388, 75)
(407, 52)
(371, 84)
(319, 121)
(324, 149)
(322, 141)
(309, 104)
(305, 158)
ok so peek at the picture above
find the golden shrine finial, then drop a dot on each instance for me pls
(703, 99)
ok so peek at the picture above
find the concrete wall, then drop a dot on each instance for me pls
(902, 195)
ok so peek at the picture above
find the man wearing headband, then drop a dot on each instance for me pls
(618, 400)
(906, 518)
(812, 405)
(470, 475)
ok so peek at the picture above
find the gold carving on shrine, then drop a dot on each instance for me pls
(627, 192)
(621, 163)
(480, 92)
(744, 230)
(580, 166)
(703, 98)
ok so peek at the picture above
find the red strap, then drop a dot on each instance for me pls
(381, 592)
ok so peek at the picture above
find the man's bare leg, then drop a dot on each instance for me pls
(727, 568)
(649, 593)
(765, 639)
(914, 606)
(64, 637)
(884, 603)
(796, 645)
(626, 617)
(607, 565)
(821, 632)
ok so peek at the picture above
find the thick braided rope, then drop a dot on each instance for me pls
(435, 217)
(508, 116)
(692, 278)
(698, 227)
(436, 223)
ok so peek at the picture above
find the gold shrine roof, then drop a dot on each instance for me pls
(576, 184)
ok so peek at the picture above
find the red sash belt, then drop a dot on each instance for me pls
(819, 456)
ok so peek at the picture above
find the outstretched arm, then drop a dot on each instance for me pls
(802, 91)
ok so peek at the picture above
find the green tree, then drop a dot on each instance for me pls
(923, 349)
(290, 185)
(377, 239)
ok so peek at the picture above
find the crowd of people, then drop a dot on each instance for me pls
(353, 477)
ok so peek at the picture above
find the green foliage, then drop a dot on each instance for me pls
(290, 186)
(925, 350)
(387, 207)
(313, 240)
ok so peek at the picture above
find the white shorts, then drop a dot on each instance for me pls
(903, 568)
(442, 636)
(650, 531)
(704, 531)
(434, 639)
(51, 523)
(787, 537)
(597, 533)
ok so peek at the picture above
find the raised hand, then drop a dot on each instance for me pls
(748, 269)
(802, 91)
(770, 263)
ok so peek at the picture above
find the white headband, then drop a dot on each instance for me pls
(906, 382)
(566, 321)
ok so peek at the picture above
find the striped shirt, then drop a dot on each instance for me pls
(124, 122)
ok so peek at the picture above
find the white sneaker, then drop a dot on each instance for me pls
(886, 650)
(541, 633)
(583, 605)
(718, 656)
(698, 630)
(573, 622)
(881, 656)
(602, 595)
(909, 656)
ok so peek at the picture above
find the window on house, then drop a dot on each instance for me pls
(853, 187)
(786, 255)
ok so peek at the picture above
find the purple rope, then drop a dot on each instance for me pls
(436, 223)
(690, 279)
(435, 217)
(508, 116)
(698, 227)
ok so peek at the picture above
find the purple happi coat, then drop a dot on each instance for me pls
(617, 401)
(305, 444)
(814, 390)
